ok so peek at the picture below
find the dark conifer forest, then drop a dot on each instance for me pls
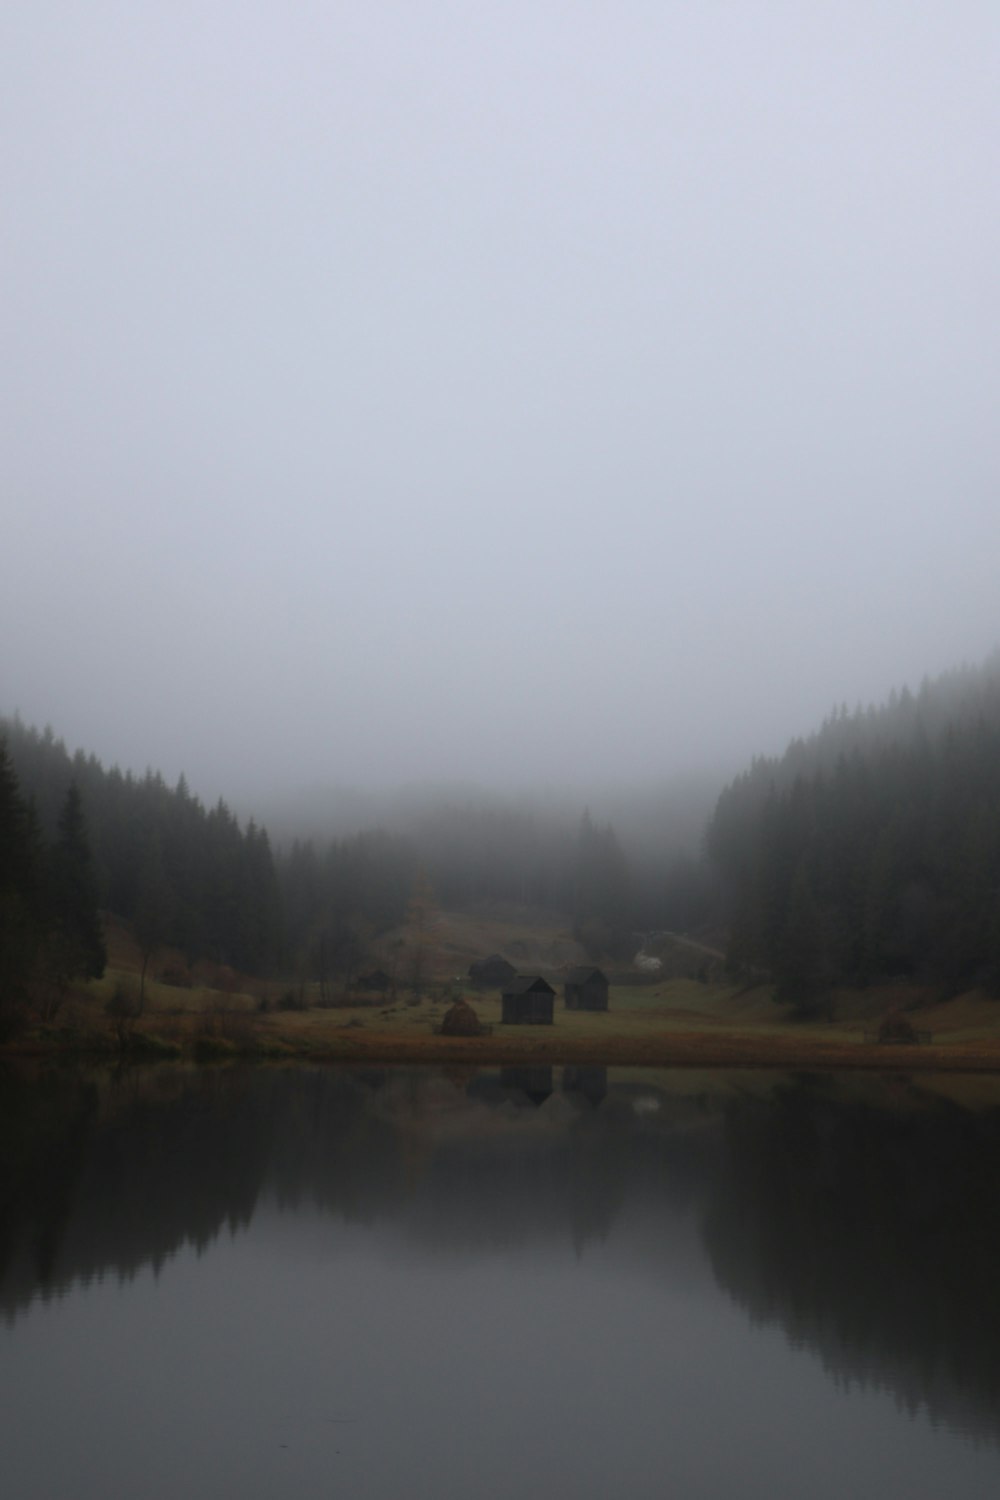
(50, 929)
(871, 850)
(193, 878)
(183, 875)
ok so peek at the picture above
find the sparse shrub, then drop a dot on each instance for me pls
(123, 1009)
(292, 999)
(13, 1014)
(221, 1022)
(222, 977)
(210, 1048)
(897, 1028)
(238, 1027)
(48, 994)
(142, 1045)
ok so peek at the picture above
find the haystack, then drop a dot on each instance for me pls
(897, 1028)
(461, 1020)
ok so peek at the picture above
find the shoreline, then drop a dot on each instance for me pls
(695, 1050)
(692, 1049)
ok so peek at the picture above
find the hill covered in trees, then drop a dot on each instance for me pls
(193, 878)
(181, 874)
(871, 850)
(868, 852)
(50, 932)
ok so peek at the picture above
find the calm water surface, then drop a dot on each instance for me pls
(417, 1283)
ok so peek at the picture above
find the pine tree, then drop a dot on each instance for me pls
(20, 914)
(420, 914)
(800, 967)
(602, 897)
(75, 944)
(154, 908)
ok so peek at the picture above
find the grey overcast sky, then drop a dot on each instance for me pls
(402, 390)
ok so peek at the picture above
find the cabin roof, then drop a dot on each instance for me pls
(584, 972)
(522, 983)
(495, 961)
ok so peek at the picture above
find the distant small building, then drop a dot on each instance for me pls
(493, 973)
(897, 1029)
(528, 1000)
(378, 980)
(586, 989)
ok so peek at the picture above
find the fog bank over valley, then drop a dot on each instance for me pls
(518, 396)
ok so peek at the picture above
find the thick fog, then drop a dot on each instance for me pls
(520, 393)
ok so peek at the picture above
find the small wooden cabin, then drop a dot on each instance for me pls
(586, 989)
(528, 1000)
(493, 973)
(378, 980)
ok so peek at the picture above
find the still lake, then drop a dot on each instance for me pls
(281, 1282)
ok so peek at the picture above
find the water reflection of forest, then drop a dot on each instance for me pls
(867, 1226)
(870, 1234)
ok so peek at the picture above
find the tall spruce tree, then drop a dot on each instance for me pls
(154, 908)
(75, 945)
(602, 896)
(20, 896)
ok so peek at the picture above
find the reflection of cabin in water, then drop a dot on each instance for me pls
(528, 1000)
(586, 989)
(534, 1083)
(590, 1082)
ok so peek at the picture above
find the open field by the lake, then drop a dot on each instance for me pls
(677, 1021)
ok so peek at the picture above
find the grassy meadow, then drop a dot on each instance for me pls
(691, 1018)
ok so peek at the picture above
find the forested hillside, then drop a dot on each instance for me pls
(459, 855)
(50, 932)
(867, 852)
(181, 874)
(871, 850)
(192, 878)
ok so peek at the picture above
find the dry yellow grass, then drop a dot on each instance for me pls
(677, 1022)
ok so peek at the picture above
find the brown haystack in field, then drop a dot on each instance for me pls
(461, 1020)
(896, 1028)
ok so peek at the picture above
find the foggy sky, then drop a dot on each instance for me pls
(528, 391)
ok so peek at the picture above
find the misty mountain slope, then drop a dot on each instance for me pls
(530, 940)
(871, 850)
(185, 876)
(196, 880)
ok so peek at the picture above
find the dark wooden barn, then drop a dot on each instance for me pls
(493, 973)
(586, 989)
(528, 1000)
(378, 979)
